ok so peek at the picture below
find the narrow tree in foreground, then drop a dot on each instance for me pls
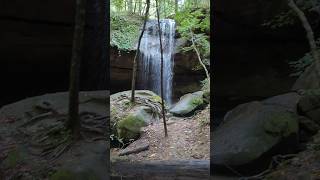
(198, 55)
(310, 36)
(73, 122)
(135, 63)
(161, 83)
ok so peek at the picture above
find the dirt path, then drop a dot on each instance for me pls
(188, 138)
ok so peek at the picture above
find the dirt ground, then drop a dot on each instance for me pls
(188, 138)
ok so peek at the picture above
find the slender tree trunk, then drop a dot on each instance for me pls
(73, 122)
(198, 54)
(161, 83)
(139, 7)
(176, 6)
(310, 36)
(135, 63)
(135, 6)
(130, 9)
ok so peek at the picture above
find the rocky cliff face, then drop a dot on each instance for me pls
(36, 43)
(185, 80)
(250, 61)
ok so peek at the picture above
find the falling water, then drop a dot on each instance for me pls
(150, 62)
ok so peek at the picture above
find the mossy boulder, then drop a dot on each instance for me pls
(251, 132)
(128, 118)
(129, 127)
(188, 104)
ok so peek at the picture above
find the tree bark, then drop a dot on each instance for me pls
(198, 54)
(310, 36)
(73, 122)
(161, 70)
(135, 63)
(139, 7)
(164, 170)
(130, 6)
(176, 6)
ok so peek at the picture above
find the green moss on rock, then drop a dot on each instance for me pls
(129, 127)
(281, 124)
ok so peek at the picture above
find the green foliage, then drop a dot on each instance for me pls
(190, 21)
(118, 4)
(156, 99)
(197, 101)
(281, 20)
(205, 85)
(289, 17)
(125, 30)
(301, 64)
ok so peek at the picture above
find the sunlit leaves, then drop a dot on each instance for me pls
(124, 30)
(191, 21)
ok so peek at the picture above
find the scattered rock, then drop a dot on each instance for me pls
(135, 147)
(250, 132)
(188, 104)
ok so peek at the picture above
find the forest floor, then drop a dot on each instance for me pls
(188, 138)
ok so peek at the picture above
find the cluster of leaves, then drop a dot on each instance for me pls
(289, 17)
(124, 30)
(205, 85)
(301, 64)
(194, 23)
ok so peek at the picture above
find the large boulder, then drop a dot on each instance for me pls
(252, 132)
(307, 80)
(127, 118)
(188, 104)
(33, 135)
(309, 105)
(286, 101)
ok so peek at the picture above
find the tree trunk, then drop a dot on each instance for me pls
(164, 170)
(198, 54)
(310, 36)
(130, 9)
(176, 6)
(73, 122)
(135, 6)
(139, 7)
(135, 63)
(161, 70)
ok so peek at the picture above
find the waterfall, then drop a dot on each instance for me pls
(150, 63)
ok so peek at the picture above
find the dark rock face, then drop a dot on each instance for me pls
(36, 45)
(309, 105)
(121, 64)
(250, 61)
(185, 80)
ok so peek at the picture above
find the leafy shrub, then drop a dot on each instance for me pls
(205, 85)
(125, 30)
